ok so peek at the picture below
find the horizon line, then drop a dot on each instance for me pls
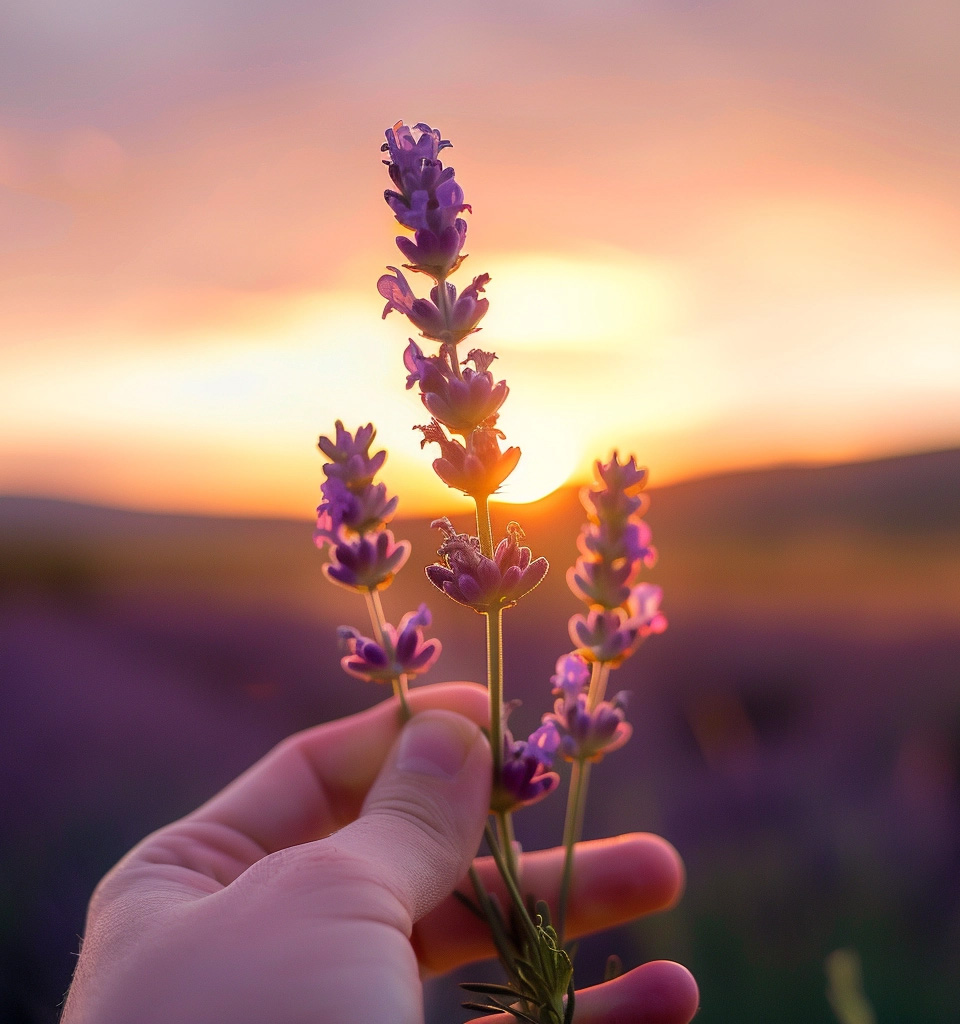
(681, 481)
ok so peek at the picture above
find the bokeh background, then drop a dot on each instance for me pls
(722, 235)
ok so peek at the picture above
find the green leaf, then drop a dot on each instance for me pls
(490, 988)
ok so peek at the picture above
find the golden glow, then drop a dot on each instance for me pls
(551, 451)
(539, 300)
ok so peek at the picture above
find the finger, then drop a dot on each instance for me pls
(423, 817)
(316, 781)
(614, 880)
(660, 992)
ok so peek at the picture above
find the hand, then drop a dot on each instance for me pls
(318, 886)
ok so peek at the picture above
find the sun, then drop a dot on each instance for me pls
(551, 455)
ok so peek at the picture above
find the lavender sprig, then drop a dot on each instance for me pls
(464, 403)
(615, 546)
(364, 557)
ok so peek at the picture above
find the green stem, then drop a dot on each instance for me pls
(513, 889)
(598, 684)
(572, 831)
(507, 840)
(378, 620)
(494, 620)
(484, 528)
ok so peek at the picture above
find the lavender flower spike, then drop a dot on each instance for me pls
(428, 201)
(478, 467)
(572, 676)
(350, 457)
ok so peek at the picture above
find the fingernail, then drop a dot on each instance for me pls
(435, 743)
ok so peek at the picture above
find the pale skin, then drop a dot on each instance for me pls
(317, 888)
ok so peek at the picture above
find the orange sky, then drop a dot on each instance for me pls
(719, 235)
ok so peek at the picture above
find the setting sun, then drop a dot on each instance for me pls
(551, 453)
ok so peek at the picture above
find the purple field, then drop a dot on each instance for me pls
(797, 728)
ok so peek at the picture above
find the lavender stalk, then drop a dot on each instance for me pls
(615, 545)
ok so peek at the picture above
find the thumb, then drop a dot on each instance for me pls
(421, 823)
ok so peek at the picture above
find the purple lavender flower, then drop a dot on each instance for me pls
(484, 584)
(612, 635)
(462, 401)
(362, 563)
(525, 777)
(612, 541)
(587, 735)
(615, 545)
(403, 653)
(349, 455)
(600, 582)
(449, 325)
(413, 163)
(572, 676)
(429, 200)
(357, 512)
(477, 467)
(622, 477)
(354, 512)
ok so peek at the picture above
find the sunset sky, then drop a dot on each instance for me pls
(720, 234)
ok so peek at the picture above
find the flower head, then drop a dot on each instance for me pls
(461, 401)
(365, 562)
(404, 652)
(352, 511)
(349, 455)
(477, 467)
(571, 678)
(586, 735)
(470, 578)
(615, 545)
(612, 635)
(525, 777)
(451, 324)
(427, 199)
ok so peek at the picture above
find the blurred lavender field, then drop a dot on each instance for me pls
(797, 729)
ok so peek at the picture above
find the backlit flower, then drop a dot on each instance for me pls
(461, 401)
(525, 777)
(470, 578)
(427, 199)
(477, 467)
(587, 735)
(404, 652)
(366, 562)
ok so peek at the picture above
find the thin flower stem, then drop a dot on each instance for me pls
(507, 840)
(598, 684)
(572, 831)
(512, 888)
(494, 620)
(495, 690)
(484, 529)
(378, 620)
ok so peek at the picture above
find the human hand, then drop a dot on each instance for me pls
(318, 886)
